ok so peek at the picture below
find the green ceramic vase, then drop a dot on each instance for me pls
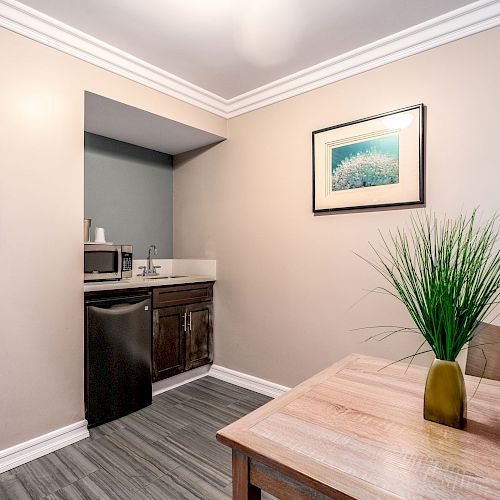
(445, 398)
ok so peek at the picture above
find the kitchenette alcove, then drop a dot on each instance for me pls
(159, 309)
(129, 156)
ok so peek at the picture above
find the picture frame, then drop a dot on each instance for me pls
(370, 163)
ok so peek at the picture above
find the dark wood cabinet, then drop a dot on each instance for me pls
(199, 338)
(169, 341)
(182, 328)
(182, 294)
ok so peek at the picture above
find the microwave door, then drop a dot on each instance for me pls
(101, 262)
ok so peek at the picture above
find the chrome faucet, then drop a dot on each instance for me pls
(150, 268)
(150, 271)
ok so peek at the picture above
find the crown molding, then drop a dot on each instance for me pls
(472, 18)
(460, 23)
(33, 24)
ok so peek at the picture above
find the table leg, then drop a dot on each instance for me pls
(242, 489)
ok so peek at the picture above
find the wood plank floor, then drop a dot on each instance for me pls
(165, 451)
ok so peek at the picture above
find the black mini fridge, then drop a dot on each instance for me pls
(117, 356)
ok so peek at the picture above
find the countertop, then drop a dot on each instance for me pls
(140, 282)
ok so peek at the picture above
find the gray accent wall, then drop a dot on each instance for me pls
(129, 192)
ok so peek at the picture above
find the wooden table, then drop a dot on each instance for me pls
(356, 430)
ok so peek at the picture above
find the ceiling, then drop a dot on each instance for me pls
(230, 47)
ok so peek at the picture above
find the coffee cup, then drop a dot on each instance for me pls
(100, 235)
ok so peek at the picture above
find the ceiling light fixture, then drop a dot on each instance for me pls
(268, 32)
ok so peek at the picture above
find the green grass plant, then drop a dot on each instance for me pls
(446, 273)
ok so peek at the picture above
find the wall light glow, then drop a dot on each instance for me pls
(36, 107)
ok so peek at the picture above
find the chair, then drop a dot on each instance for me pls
(489, 335)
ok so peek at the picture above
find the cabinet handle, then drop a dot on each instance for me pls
(190, 320)
(185, 321)
(155, 323)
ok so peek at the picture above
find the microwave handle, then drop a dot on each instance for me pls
(119, 250)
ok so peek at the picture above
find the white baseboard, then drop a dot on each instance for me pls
(181, 379)
(42, 445)
(248, 381)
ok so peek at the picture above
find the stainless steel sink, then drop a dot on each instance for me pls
(166, 276)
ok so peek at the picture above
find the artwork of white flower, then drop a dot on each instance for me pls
(369, 163)
(365, 169)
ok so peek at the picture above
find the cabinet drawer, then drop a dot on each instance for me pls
(182, 294)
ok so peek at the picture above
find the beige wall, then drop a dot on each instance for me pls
(41, 212)
(288, 282)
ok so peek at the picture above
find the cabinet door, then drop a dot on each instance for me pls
(169, 342)
(199, 338)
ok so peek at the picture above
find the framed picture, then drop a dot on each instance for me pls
(370, 163)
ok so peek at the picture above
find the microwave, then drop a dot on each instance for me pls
(107, 262)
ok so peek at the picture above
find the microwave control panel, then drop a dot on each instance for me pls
(126, 262)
